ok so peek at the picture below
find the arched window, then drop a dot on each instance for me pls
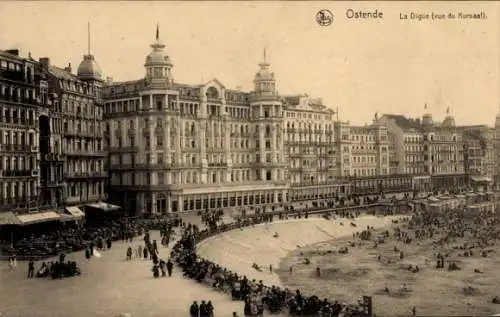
(212, 93)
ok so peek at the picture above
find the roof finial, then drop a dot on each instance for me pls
(265, 54)
(425, 106)
(88, 37)
(448, 110)
(157, 32)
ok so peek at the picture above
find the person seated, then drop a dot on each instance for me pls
(256, 266)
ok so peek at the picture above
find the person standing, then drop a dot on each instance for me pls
(145, 253)
(139, 251)
(210, 308)
(129, 253)
(31, 268)
(204, 309)
(170, 266)
(194, 310)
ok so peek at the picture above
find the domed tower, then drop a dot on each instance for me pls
(268, 109)
(90, 72)
(449, 120)
(158, 65)
(88, 68)
(427, 117)
(264, 81)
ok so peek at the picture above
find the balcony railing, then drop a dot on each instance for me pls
(22, 173)
(85, 153)
(88, 174)
(15, 148)
(125, 149)
(21, 202)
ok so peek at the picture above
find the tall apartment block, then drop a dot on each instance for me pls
(72, 157)
(19, 133)
(432, 152)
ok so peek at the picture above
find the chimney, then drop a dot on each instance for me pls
(109, 80)
(45, 61)
(68, 68)
(13, 52)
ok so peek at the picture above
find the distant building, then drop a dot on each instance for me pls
(479, 153)
(433, 152)
(311, 150)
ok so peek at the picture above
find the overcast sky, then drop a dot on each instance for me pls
(363, 67)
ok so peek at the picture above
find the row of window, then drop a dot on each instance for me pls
(82, 145)
(84, 166)
(18, 163)
(17, 189)
(17, 138)
(367, 172)
(81, 107)
(80, 87)
(84, 189)
(307, 115)
(365, 159)
(192, 177)
(15, 115)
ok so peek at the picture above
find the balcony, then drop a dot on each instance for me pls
(87, 153)
(85, 175)
(15, 148)
(125, 149)
(101, 174)
(51, 184)
(217, 165)
(21, 202)
(135, 167)
(18, 173)
(52, 157)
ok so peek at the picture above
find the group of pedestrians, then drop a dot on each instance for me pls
(204, 309)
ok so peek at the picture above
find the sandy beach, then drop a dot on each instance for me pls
(239, 249)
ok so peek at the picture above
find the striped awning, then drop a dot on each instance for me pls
(9, 218)
(38, 217)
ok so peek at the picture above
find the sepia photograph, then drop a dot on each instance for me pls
(249, 158)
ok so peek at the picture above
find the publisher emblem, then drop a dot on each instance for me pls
(324, 17)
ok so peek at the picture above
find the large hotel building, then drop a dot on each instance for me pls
(154, 145)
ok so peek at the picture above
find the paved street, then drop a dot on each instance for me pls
(108, 286)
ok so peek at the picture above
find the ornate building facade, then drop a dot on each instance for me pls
(431, 152)
(72, 143)
(176, 147)
(311, 150)
(19, 133)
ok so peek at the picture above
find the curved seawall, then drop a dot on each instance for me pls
(238, 249)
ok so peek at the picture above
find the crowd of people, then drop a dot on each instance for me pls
(256, 295)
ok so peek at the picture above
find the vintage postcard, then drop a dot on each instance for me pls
(249, 158)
